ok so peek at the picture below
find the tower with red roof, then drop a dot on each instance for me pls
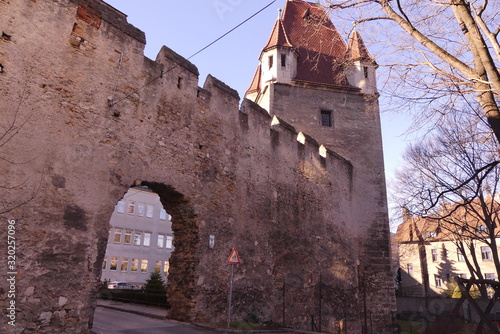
(326, 88)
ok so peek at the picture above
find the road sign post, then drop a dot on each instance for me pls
(233, 259)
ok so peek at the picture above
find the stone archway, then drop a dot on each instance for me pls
(185, 257)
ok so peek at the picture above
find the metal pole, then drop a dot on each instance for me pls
(284, 301)
(320, 299)
(230, 297)
(365, 329)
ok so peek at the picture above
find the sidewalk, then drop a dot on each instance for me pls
(144, 310)
(161, 313)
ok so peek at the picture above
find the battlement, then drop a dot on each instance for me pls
(95, 10)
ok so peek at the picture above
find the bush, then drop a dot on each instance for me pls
(155, 283)
(135, 296)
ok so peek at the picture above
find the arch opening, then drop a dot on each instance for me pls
(153, 230)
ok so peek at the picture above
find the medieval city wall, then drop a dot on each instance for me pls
(87, 116)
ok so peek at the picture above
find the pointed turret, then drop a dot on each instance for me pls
(304, 49)
(360, 65)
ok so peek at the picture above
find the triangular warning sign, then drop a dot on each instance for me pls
(234, 258)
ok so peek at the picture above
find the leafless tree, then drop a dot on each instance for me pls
(446, 51)
(453, 178)
(15, 192)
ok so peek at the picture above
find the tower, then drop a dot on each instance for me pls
(305, 50)
(324, 87)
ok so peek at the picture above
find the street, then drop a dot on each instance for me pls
(107, 321)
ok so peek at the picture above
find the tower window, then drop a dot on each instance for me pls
(270, 61)
(326, 118)
(365, 69)
(283, 60)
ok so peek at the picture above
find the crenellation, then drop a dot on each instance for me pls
(103, 11)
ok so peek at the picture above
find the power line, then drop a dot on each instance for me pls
(112, 103)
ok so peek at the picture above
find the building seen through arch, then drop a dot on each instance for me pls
(140, 239)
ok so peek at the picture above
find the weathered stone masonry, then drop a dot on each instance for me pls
(91, 115)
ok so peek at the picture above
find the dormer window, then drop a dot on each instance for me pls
(270, 61)
(283, 60)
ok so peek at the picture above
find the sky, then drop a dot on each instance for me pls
(187, 27)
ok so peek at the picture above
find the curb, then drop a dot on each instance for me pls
(145, 314)
(261, 331)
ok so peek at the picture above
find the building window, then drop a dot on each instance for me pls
(144, 266)
(270, 61)
(489, 276)
(161, 240)
(131, 208)
(365, 70)
(124, 266)
(118, 235)
(137, 238)
(157, 267)
(134, 265)
(127, 238)
(409, 269)
(149, 214)
(166, 266)
(432, 234)
(114, 263)
(438, 280)
(283, 60)
(460, 256)
(147, 239)
(163, 214)
(486, 253)
(120, 207)
(140, 209)
(169, 241)
(104, 263)
(434, 255)
(481, 229)
(326, 118)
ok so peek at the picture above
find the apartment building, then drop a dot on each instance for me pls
(140, 238)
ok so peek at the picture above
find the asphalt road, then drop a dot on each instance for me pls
(107, 321)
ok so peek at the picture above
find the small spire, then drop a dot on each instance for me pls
(280, 12)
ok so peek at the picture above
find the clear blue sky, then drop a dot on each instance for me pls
(187, 26)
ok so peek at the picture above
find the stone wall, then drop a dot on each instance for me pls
(86, 115)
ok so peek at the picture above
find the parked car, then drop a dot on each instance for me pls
(121, 285)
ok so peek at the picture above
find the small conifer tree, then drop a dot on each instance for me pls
(155, 283)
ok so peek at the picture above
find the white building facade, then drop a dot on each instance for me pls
(140, 239)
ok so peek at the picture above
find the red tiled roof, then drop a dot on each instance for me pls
(309, 27)
(255, 85)
(306, 28)
(278, 36)
(357, 49)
